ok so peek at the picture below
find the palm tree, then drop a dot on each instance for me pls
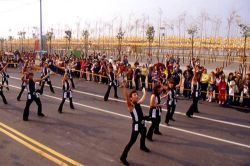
(85, 35)
(192, 31)
(120, 37)
(150, 37)
(68, 37)
(49, 36)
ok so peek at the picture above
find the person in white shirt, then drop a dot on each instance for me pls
(231, 91)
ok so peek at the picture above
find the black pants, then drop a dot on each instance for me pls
(143, 81)
(21, 92)
(194, 107)
(155, 122)
(187, 89)
(142, 130)
(108, 91)
(27, 107)
(3, 97)
(170, 112)
(50, 86)
(246, 101)
(237, 98)
(204, 91)
(137, 82)
(5, 80)
(63, 101)
(72, 83)
(130, 83)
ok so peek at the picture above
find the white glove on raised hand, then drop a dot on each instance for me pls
(143, 90)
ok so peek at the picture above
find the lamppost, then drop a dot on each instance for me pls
(41, 28)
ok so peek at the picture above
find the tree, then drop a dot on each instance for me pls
(10, 40)
(120, 37)
(2, 43)
(68, 37)
(21, 35)
(49, 36)
(150, 37)
(192, 31)
(85, 35)
(245, 31)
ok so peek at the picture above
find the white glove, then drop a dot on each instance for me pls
(143, 90)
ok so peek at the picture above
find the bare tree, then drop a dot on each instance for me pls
(10, 40)
(21, 35)
(245, 31)
(49, 36)
(192, 31)
(85, 35)
(2, 43)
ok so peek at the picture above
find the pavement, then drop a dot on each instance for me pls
(96, 132)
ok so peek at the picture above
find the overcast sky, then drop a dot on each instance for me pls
(16, 15)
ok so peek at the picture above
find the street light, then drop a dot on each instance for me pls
(41, 30)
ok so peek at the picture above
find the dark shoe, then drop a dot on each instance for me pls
(60, 111)
(145, 149)
(172, 119)
(25, 119)
(105, 99)
(188, 115)
(197, 111)
(150, 139)
(116, 97)
(158, 133)
(72, 107)
(166, 122)
(18, 99)
(124, 161)
(41, 115)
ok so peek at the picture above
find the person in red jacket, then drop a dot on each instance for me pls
(222, 87)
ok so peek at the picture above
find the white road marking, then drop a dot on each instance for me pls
(162, 125)
(146, 106)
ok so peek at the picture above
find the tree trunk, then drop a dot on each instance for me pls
(192, 47)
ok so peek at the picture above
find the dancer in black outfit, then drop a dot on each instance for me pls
(24, 80)
(196, 92)
(2, 95)
(68, 71)
(67, 93)
(155, 112)
(5, 76)
(33, 95)
(112, 83)
(46, 70)
(171, 102)
(138, 125)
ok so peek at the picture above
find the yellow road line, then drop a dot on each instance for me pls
(73, 162)
(35, 149)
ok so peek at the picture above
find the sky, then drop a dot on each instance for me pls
(23, 15)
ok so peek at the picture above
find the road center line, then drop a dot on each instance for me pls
(162, 125)
(146, 106)
(33, 148)
(48, 149)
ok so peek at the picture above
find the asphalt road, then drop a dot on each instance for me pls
(96, 132)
